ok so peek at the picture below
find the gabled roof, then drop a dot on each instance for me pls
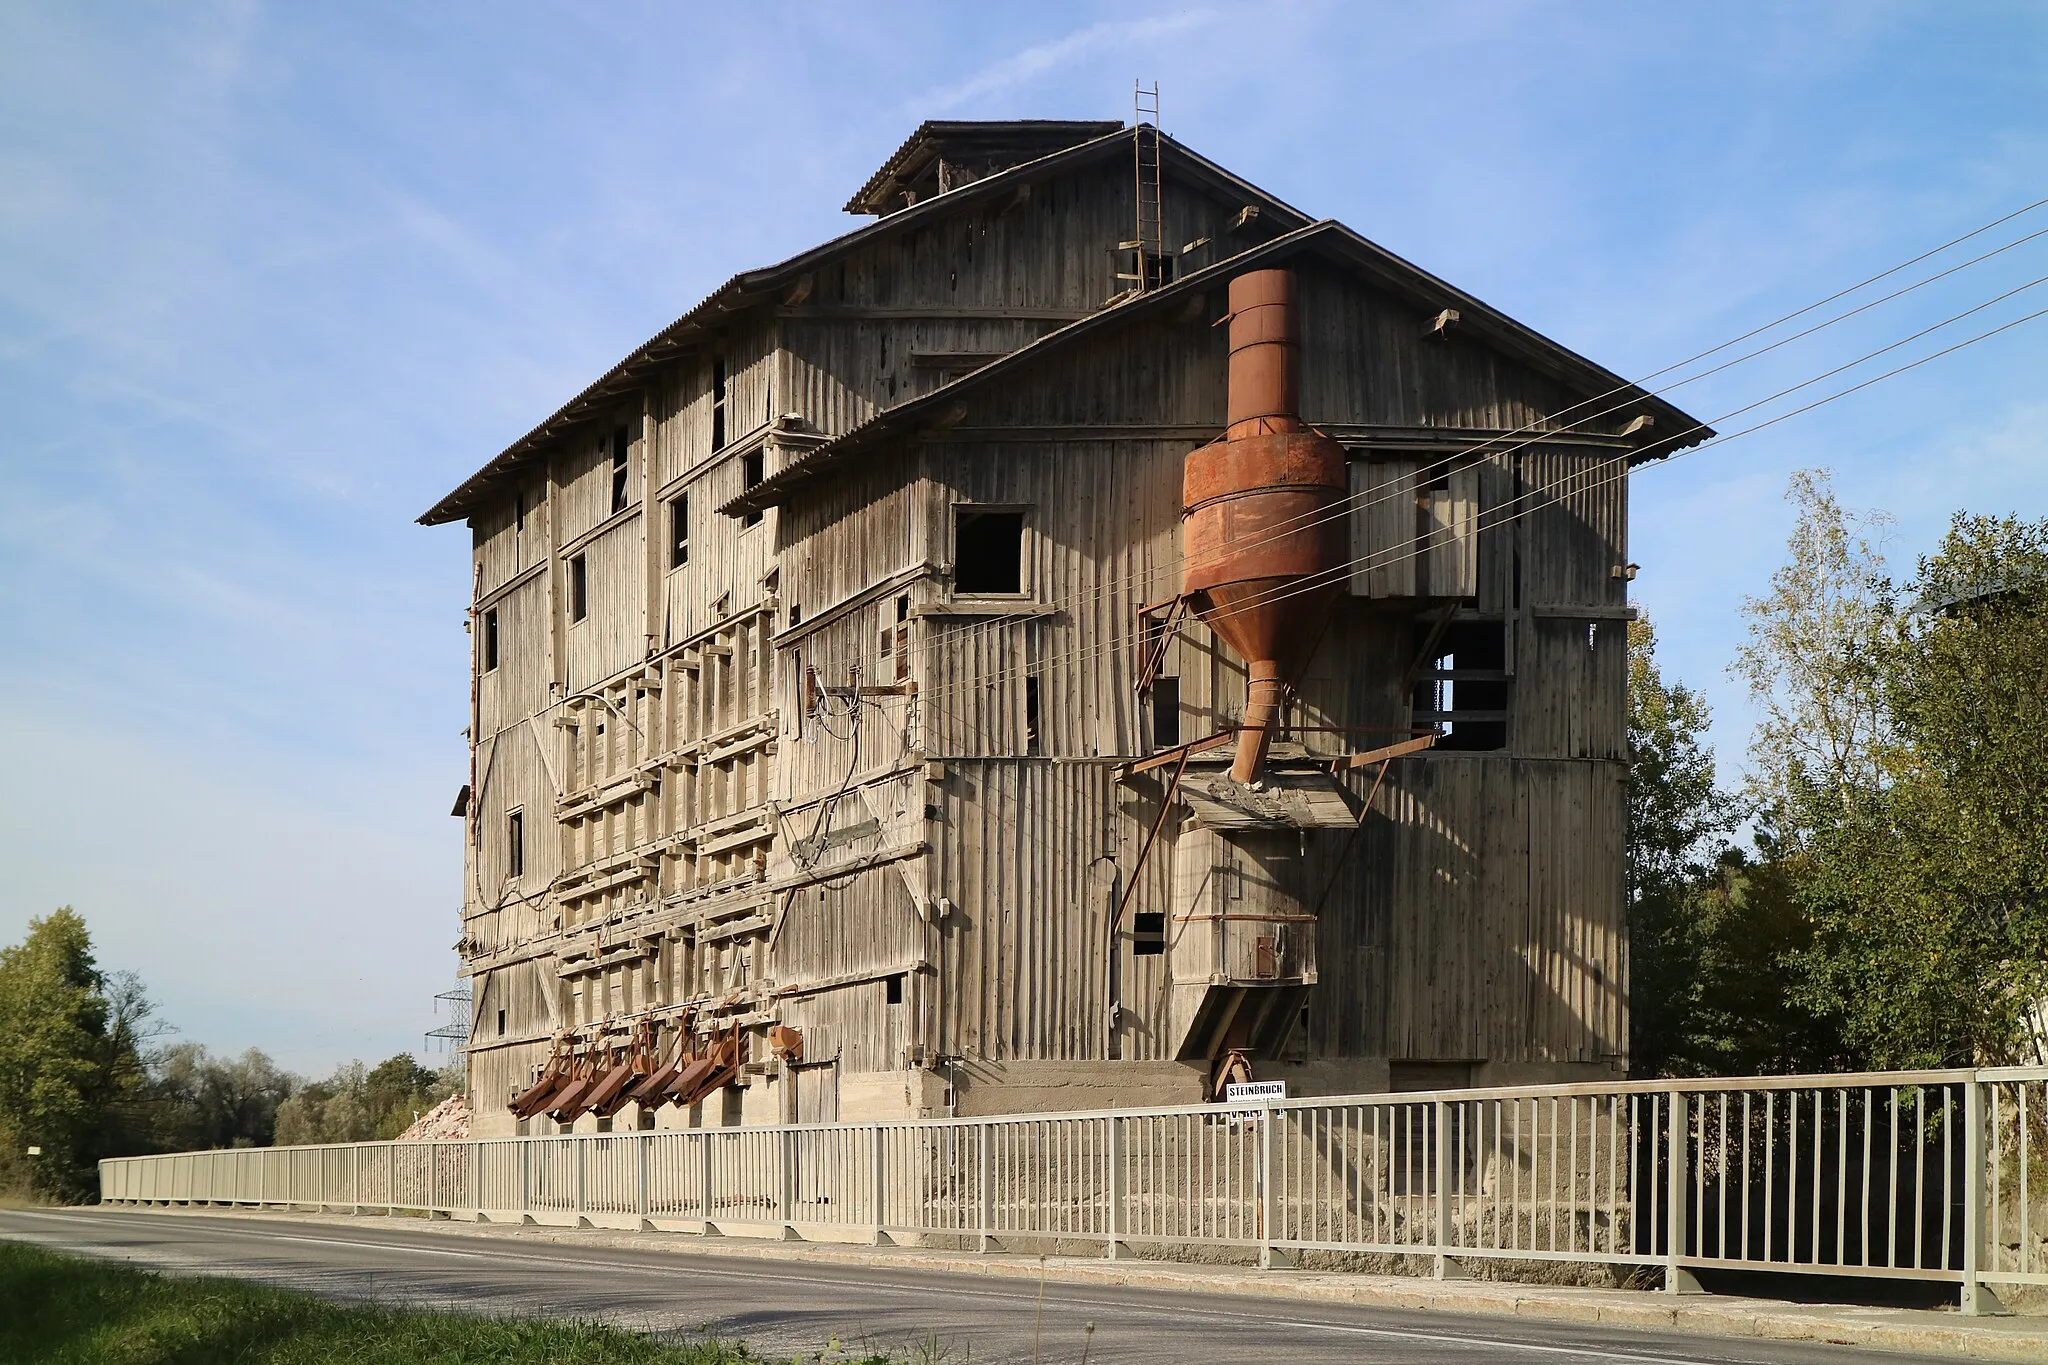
(752, 288)
(980, 147)
(1328, 240)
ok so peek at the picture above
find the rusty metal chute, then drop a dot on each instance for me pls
(1262, 538)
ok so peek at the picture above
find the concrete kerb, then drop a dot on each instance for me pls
(1893, 1329)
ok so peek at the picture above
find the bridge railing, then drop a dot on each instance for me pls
(1936, 1175)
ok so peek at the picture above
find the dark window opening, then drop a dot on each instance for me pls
(902, 638)
(679, 532)
(619, 449)
(988, 552)
(1031, 745)
(646, 1119)
(718, 402)
(796, 613)
(1148, 933)
(1158, 270)
(579, 588)
(519, 513)
(515, 844)
(490, 639)
(1165, 712)
(501, 1023)
(893, 989)
(753, 469)
(1463, 691)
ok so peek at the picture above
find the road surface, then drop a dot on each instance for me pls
(782, 1308)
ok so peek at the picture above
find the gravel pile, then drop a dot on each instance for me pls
(445, 1121)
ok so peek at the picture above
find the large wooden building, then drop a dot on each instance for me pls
(837, 737)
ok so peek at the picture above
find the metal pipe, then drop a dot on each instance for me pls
(1257, 511)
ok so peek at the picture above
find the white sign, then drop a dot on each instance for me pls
(1254, 1092)
(35, 1151)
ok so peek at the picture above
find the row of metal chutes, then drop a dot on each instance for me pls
(598, 1077)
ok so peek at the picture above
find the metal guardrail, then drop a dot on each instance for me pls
(1937, 1175)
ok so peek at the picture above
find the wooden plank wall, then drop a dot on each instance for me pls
(1001, 276)
(1480, 918)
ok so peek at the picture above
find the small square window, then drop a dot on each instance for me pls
(893, 990)
(1148, 933)
(490, 639)
(988, 552)
(579, 588)
(679, 532)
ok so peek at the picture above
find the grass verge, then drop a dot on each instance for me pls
(62, 1310)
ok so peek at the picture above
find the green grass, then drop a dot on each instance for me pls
(61, 1310)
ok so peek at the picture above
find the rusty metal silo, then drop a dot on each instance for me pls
(1263, 538)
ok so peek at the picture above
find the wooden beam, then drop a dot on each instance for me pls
(1181, 753)
(1381, 755)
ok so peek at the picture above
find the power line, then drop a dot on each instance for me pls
(1568, 483)
(1361, 501)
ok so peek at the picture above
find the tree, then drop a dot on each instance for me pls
(1712, 932)
(358, 1104)
(1677, 821)
(1811, 664)
(67, 1056)
(1930, 892)
(203, 1101)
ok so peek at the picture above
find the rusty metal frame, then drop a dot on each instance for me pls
(1154, 657)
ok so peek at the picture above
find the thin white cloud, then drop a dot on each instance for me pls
(1034, 62)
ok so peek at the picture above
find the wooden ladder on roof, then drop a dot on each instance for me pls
(1148, 245)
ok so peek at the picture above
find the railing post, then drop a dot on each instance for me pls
(1446, 1268)
(1978, 1297)
(987, 1187)
(879, 1213)
(643, 1145)
(1269, 1192)
(1117, 1220)
(525, 1179)
(704, 1144)
(1677, 1200)
(355, 1180)
(785, 1165)
(474, 1158)
(582, 1146)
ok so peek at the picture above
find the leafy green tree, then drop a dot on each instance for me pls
(1812, 665)
(1930, 892)
(1677, 823)
(200, 1100)
(358, 1104)
(68, 1056)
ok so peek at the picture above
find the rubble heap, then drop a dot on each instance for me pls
(446, 1121)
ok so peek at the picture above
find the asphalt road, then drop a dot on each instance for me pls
(785, 1308)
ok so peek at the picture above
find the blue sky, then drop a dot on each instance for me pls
(272, 279)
